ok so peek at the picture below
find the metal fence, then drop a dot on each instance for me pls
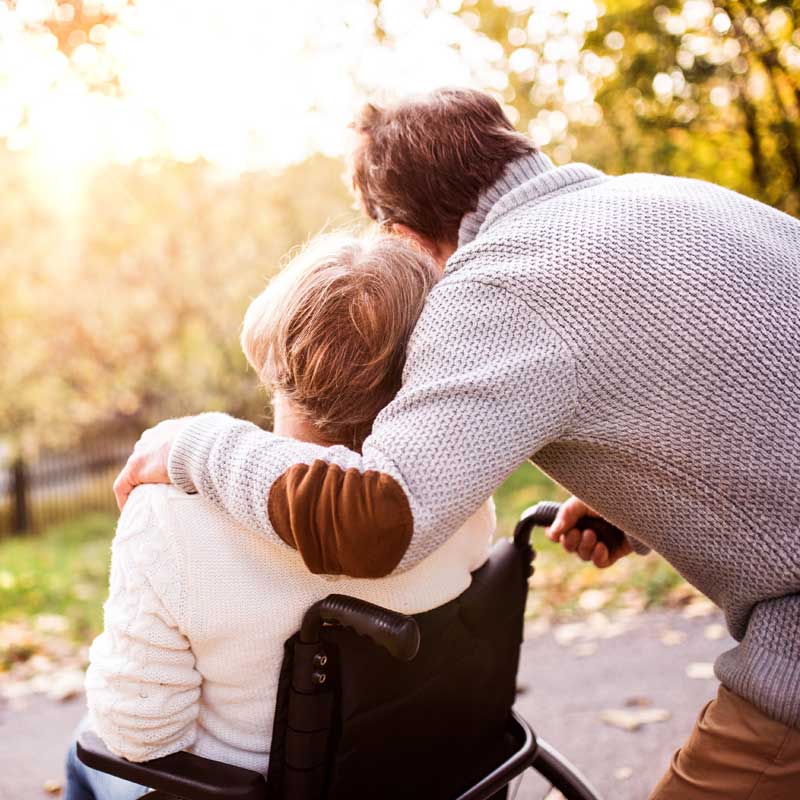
(57, 486)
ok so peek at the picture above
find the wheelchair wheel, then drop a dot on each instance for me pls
(561, 774)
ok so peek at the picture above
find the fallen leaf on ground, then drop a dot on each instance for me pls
(714, 631)
(565, 635)
(682, 594)
(630, 719)
(66, 684)
(36, 658)
(623, 773)
(700, 669)
(585, 649)
(12, 690)
(593, 599)
(40, 664)
(51, 623)
(699, 607)
(670, 637)
(537, 627)
(638, 702)
(595, 626)
(633, 601)
(52, 787)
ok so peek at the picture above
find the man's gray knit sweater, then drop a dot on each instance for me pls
(639, 338)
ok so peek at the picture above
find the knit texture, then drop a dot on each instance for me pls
(638, 337)
(197, 615)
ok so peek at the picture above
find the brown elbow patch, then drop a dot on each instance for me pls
(343, 522)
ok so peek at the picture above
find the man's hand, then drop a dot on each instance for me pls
(584, 543)
(148, 461)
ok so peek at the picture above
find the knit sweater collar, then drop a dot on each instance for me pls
(532, 177)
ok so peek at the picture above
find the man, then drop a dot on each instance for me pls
(636, 336)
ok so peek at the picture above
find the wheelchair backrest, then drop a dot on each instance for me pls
(382, 728)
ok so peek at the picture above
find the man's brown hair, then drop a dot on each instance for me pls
(424, 161)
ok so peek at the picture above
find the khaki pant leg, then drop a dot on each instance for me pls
(735, 752)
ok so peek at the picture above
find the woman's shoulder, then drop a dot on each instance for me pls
(200, 540)
(142, 512)
(165, 508)
(145, 559)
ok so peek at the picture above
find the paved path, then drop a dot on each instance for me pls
(566, 694)
(565, 687)
(33, 741)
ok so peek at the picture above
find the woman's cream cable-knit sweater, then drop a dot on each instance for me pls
(198, 612)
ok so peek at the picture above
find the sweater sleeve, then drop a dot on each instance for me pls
(486, 385)
(142, 687)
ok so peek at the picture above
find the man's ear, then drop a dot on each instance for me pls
(440, 251)
(409, 233)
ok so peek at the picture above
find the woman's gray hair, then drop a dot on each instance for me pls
(330, 330)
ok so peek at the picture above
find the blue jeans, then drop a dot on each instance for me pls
(85, 783)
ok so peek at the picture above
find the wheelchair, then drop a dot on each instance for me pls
(376, 704)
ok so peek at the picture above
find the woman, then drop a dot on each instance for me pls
(199, 608)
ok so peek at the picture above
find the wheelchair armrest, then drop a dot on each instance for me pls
(184, 775)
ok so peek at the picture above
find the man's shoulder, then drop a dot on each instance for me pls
(534, 236)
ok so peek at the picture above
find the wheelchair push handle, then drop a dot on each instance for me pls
(544, 514)
(397, 633)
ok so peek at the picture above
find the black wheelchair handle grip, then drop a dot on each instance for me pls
(610, 535)
(544, 514)
(397, 633)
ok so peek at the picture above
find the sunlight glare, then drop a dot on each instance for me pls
(246, 84)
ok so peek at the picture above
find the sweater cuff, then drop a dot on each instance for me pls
(188, 456)
(638, 547)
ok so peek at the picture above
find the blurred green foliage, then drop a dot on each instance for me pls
(702, 88)
(130, 312)
(122, 301)
(64, 572)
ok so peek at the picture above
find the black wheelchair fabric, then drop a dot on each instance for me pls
(427, 729)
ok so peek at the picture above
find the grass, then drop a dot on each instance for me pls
(523, 488)
(63, 571)
(6, 516)
(563, 585)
